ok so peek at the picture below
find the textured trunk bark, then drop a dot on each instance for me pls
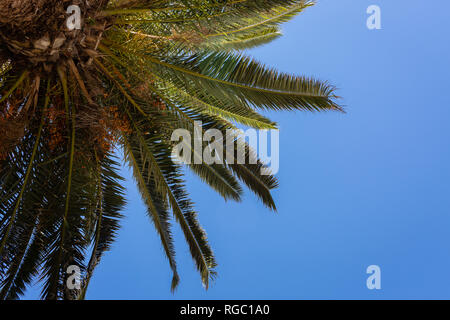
(30, 18)
(37, 30)
(20, 11)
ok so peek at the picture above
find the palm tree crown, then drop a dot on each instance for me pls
(134, 71)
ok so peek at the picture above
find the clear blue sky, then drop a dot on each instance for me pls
(368, 187)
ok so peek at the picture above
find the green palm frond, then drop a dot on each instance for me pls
(109, 203)
(246, 79)
(249, 41)
(207, 23)
(156, 204)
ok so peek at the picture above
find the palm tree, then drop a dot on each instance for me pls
(134, 72)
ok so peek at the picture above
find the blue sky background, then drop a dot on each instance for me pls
(367, 187)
